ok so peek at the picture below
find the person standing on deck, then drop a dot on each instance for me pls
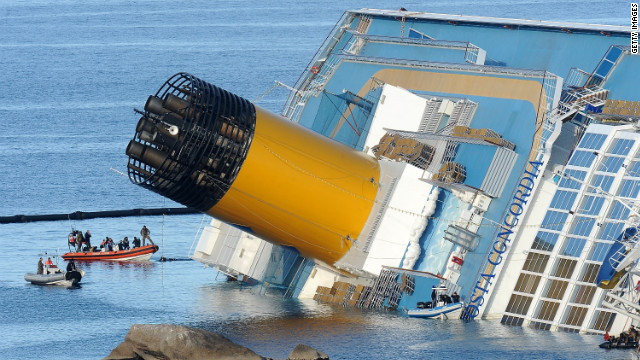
(145, 234)
(87, 239)
(48, 263)
(79, 240)
(72, 241)
(40, 267)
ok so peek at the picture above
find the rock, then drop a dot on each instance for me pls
(306, 352)
(169, 342)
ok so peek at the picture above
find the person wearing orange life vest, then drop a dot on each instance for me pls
(47, 264)
(72, 241)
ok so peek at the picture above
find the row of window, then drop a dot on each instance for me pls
(578, 234)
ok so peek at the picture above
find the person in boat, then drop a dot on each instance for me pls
(125, 243)
(71, 266)
(445, 299)
(136, 242)
(79, 239)
(103, 243)
(628, 336)
(455, 297)
(72, 241)
(87, 240)
(145, 235)
(434, 296)
(47, 264)
(40, 266)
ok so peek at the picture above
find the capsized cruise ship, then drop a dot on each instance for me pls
(495, 157)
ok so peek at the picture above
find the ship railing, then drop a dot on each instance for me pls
(448, 44)
(471, 51)
(576, 78)
(484, 69)
(624, 298)
(328, 45)
(320, 77)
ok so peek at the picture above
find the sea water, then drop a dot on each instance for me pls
(70, 75)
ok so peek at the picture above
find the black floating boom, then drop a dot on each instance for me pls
(84, 215)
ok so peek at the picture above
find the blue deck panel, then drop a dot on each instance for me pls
(622, 86)
(476, 159)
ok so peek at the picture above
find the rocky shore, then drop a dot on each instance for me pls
(173, 342)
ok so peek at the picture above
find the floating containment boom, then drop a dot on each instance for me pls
(216, 152)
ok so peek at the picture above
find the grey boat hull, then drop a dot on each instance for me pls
(61, 278)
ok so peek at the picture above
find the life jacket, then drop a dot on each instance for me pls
(49, 262)
(72, 239)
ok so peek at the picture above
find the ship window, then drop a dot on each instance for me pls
(569, 182)
(584, 294)
(415, 34)
(564, 268)
(630, 188)
(604, 320)
(634, 169)
(512, 320)
(535, 262)
(556, 289)
(540, 325)
(591, 205)
(613, 54)
(575, 315)
(554, 220)
(618, 211)
(548, 310)
(611, 230)
(611, 164)
(621, 146)
(592, 141)
(544, 241)
(599, 251)
(590, 273)
(582, 226)
(519, 304)
(568, 329)
(527, 283)
(601, 181)
(573, 247)
(582, 158)
(563, 199)
(604, 68)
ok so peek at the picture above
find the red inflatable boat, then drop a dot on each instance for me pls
(142, 253)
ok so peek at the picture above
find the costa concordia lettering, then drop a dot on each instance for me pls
(493, 158)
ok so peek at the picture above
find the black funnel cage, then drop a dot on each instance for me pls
(191, 141)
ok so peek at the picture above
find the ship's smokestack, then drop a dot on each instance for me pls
(216, 152)
(182, 141)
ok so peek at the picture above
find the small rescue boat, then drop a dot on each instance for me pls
(142, 253)
(616, 345)
(55, 276)
(447, 311)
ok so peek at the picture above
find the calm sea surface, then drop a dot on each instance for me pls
(70, 75)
